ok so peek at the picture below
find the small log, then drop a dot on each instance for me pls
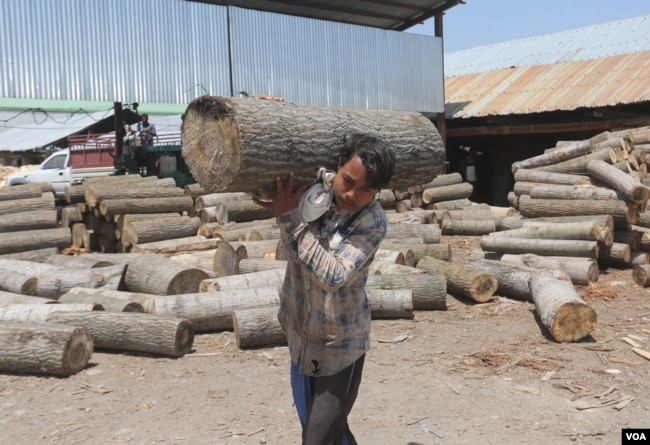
(13, 242)
(31, 220)
(14, 298)
(629, 237)
(633, 190)
(386, 303)
(384, 268)
(226, 258)
(438, 181)
(560, 309)
(578, 166)
(463, 280)
(577, 248)
(619, 210)
(203, 260)
(581, 230)
(103, 192)
(111, 207)
(447, 192)
(617, 253)
(249, 265)
(606, 221)
(212, 199)
(454, 204)
(44, 348)
(37, 255)
(386, 198)
(639, 258)
(132, 331)
(641, 275)
(17, 282)
(69, 216)
(512, 279)
(176, 246)
(145, 300)
(554, 191)
(110, 304)
(195, 190)
(430, 233)
(212, 214)
(43, 202)
(243, 210)
(75, 262)
(416, 200)
(569, 151)
(429, 288)
(581, 271)
(403, 206)
(56, 282)
(38, 313)
(21, 191)
(257, 327)
(265, 278)
(212, 310)
(523, 175)
(142, 231)
(467, 227)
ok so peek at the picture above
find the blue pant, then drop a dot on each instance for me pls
(324, 403)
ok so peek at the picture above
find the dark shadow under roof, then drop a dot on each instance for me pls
(396, 15)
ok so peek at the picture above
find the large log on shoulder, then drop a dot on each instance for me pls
(237, 145)
(44, 348)
(560, 309)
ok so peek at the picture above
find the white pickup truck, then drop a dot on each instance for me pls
(61, 172)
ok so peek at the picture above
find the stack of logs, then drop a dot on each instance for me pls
(189, 261)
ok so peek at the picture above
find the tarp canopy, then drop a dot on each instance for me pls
(40, 130)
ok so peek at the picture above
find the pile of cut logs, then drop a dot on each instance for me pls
(156, 264)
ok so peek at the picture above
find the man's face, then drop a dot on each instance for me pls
(350, 190)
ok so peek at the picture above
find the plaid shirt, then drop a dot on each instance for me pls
(324, 310)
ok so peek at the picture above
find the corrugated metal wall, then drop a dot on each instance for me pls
(171, 51)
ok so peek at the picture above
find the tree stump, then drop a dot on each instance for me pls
(237, 145)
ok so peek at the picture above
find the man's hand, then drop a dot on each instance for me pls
(283, 200)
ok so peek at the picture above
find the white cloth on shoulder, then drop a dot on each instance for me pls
(317, 198)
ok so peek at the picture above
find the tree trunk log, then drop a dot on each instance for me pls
(14, 298)
(582, 271)
(249, 265)
(149, 273)
(17, 282)
(386, 303)
(239, 144)
(243, 210)
(512, 279)
(576, 248)
(447, 193)
(467, 227)
(132, 331)
(522, 175)
(265, 278)
(22, 191)
(439, 251)
(144, 300)
(212, 199)
(257, 327)
(13, 242)
(176, 246)
(578, 166)
(555, 191)
(38, 313)
(212, 311)
(454, 204)
(582, 230)
(142, 231)
(31, 220)
(386, 198)
(438, 181)
(463, 280)
(103, 192)
(561, 310)
(56, 282)
(429, 289)
(617, 253)
(44, 348)
(110, 304)
(43, 202)
(633, 190)
(619, 210)
(641, 275)
(558, 154)
(430, 233)
(111, 207)
(37, 255)
(195, 190)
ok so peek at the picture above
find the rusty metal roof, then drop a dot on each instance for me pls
(396, 15)
(552, 72)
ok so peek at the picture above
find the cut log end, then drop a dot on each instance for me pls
(573, 322)
(483, 288)
(184, 338)
(77, 352)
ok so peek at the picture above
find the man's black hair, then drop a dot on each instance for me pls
(376, 155)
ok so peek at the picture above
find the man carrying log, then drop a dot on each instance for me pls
(324, 309)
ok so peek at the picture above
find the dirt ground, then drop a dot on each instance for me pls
(474, 374)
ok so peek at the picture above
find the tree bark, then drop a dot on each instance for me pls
(14, 298)
(523, 175)
(132, 331)
(429, 289)
(44, 348)
(43, 202)
(386, 303)
(574, 248)
(144, 300)
(578, 166)
(454, 204)
(37, 255)
(257, 327)
(94, 194)
(467, 227)
(581, 230)
(463, 280)
(13, 242)
(555, 191)
(213, 310)
(265, 278)
(38, 313)
(31, 220)
(176, 246)
(558, 154)
(560, 309)
(239, 144)
(243, 210)
(143, 232)
(212, 199)
(22, 191)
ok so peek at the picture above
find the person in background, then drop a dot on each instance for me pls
(324, 310)
(146, 132)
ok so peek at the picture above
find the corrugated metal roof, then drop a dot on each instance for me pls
(396, 15)
(567, 80)
(588, 43)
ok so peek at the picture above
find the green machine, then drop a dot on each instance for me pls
(162, 159)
